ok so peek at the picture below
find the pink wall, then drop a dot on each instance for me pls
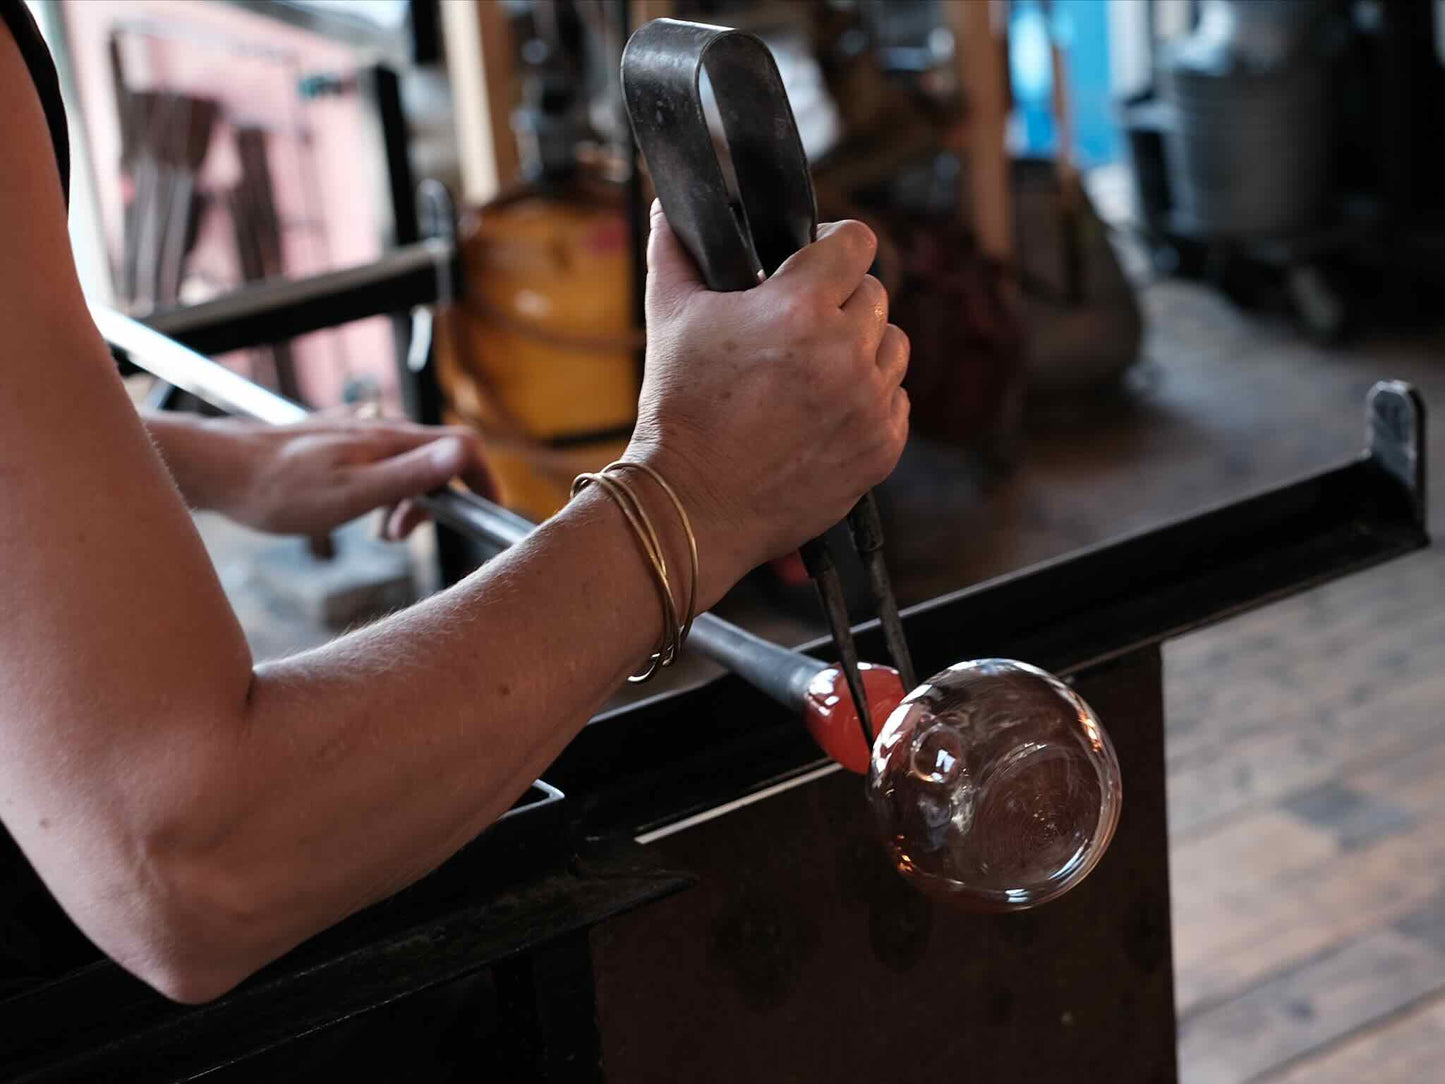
(327, 166)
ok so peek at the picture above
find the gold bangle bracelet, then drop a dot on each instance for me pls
(656, 564)
(655, 567)
(682, 515)
(659, 557)
(673, 646)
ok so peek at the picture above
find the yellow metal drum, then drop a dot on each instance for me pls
(541, 356)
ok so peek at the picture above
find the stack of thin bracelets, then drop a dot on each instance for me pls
(612, 478)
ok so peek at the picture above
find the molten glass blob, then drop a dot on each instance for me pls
(995, 786)
(831, 718)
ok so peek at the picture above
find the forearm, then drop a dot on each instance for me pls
(357, 768)
(196, 452)
(197, 816)
(352, 770)
(311, 476)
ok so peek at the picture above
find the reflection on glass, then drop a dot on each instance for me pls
(995, 786)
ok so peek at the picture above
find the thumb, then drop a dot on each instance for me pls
(410, 474)
(671, 274)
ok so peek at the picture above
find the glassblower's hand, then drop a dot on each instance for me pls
(770, 410)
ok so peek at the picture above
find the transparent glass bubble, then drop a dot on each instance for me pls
(995, 786)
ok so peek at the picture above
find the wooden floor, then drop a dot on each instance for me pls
(1306, 750)
(1306, 741)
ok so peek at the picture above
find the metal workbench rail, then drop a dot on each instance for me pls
(1076, 611)
(791, 924)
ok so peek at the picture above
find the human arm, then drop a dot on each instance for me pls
(316, 474)
(198, 815)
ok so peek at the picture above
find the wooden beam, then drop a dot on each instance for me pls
(981, 56)
(480, 51)
(644, 11)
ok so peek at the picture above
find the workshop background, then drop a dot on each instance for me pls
(1151, 254)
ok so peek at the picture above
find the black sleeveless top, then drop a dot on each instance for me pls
(42, 70)
(37, 940)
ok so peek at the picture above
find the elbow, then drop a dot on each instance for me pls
(181, 952)
(186, 969)
(186, 931)
(185, 981)
(157, 867)
(204, 944)
(199, 922)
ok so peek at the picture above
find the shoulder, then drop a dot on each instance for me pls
(35, 263)
(38, 65)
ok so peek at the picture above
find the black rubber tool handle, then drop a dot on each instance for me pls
(737, 244)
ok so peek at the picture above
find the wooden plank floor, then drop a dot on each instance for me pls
(1306, 753)
(1306, 741)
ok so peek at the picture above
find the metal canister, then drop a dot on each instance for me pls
(541, 356)
(1249, 150)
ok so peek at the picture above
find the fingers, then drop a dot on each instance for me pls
(402, 520)
(671, 274)
(409, 474)
(893, 353)
(834, 264)
(474, 470)
(869, 300)
(479, 479)
(379, 440)
(868, 309)
(892, 407)
(899, 409)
